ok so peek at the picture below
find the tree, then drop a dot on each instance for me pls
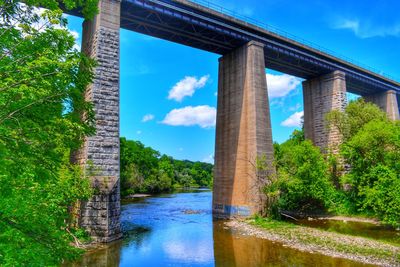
(356, 115)
(302, 183)
(372, 150)
(42, 80)
(145, 170)
(374, 178)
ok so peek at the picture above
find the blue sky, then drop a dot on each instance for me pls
(168, 91)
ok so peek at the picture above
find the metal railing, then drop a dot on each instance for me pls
(285, 34)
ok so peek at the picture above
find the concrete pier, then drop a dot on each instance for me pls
(100, 216)
(243, 132)
(387, 101)
(322, 95)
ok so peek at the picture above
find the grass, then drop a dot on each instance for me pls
(330, 241)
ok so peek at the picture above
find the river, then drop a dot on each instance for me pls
(178, 230)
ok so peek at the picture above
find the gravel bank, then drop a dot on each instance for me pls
(327, 243)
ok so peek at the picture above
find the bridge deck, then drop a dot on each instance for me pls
(191, 24)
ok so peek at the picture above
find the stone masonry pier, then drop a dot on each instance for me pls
(320, 96)
(100, 216)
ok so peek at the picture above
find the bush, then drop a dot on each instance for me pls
(302, 182)
(374, 156)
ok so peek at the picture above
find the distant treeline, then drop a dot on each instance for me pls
(145, 170)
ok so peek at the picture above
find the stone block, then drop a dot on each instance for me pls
(322, 95)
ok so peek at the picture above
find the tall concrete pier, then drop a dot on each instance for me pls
(100, 216)
(243, 132)
(320, 96)
(387, 101)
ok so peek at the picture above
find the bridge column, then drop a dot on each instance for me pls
(320, 96)
(100, 216)
(243, 132)
(387, 101)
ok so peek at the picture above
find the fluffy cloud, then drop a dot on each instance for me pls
(203, 116)
(281, 85)
(209, 159)
(187, 87)
(294, 120)
(367, 29)
(148, 117)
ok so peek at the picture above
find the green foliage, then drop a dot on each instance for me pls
(302, 182)
(42, 80)
(371, 148)
(144, 170)
(357, 114)
(374, 154)
(308, 181)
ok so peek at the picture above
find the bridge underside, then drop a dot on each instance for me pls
(187, 23)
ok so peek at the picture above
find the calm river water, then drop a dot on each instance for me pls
(178, 230)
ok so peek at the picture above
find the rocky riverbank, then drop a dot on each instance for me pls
(318, 241)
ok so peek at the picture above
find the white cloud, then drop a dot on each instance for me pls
(209, 159)
(294, 120)
(295, 107)
(148, 117)
(74, 33)
(203, 116)
(138, 132)
(367, 29)
(281, 85)
(187, 87)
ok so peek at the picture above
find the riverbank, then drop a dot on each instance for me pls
(313, 240)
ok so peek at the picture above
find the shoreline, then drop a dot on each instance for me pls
(314, 240)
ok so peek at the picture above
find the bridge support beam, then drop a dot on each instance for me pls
(243, 133)
(322, 95)
(387, 101)
(100, 216)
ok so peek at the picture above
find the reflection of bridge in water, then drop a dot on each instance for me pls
(243, 129)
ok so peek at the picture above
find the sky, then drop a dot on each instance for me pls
(168, 91)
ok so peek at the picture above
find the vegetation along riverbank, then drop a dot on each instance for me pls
(145, 170)
(360, 177)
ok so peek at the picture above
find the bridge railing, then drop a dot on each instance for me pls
(285, 34)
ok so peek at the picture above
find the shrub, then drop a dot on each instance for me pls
(302, 182)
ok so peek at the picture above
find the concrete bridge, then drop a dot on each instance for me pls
(243, 130)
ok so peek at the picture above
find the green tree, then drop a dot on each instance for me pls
(145, 170)
(302, 183)
(374, 156)
(42, 80)
(371, 148)
(356, 115)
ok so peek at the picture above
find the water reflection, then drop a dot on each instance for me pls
(233, 249)
(107, 256)
(178, 230)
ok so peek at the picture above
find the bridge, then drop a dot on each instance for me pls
(243, 131)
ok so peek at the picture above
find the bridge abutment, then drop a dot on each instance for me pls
(387, 101)
(99, 155)
(243, 132)
(322, 95)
